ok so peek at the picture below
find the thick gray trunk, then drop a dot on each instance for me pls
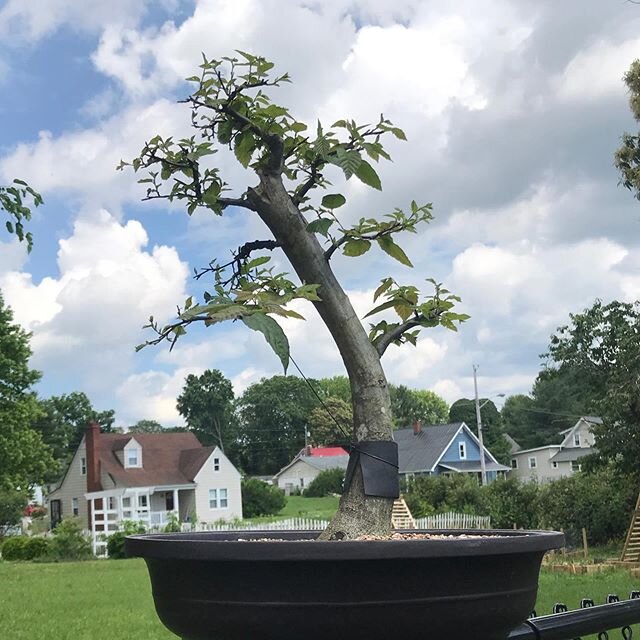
(358, 514)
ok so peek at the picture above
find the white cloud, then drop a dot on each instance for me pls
(597, 71)
(87, 320)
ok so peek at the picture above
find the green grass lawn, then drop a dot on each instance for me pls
(112, 599)
(301, 507)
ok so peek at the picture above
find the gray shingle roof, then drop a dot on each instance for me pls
(471, 466)
(419, 452)
(568, 454)
(326, 462)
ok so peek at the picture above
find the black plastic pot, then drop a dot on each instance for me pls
(214, 586)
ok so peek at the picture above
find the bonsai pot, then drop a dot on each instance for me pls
(222, 586)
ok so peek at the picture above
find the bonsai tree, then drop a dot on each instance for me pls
(229, 108)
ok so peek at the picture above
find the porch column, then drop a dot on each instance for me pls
(176, 504)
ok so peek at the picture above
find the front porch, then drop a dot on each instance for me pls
(152, 506)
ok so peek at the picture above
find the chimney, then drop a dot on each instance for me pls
(307, 450)
(92, 438)
(417, 427)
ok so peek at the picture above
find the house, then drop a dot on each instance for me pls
(444, 449)
(545, 464)
(308, 464)
(145, 477)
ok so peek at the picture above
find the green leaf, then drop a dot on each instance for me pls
(210, 196)
(273, 334)
(398, 133)
(321, 225)
(367, 174)
(389, 246)
(9, 226)
(386, 283)
(356, 247)
(244, 148)
(297, 127)
(333, 200)
(389, 304)
(256, 262)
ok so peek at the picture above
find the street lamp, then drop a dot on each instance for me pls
(483, 464)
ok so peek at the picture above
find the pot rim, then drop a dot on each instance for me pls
(290, 545)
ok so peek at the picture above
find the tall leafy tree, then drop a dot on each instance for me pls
(408, 405)
(274, 416)
(206, 404)
(602, 344)
(627, 157)
(62, 424)
(329, 422)
(230, 108)
(146, 426)
(334, 387)
(24, 457)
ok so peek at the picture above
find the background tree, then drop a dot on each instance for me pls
(334, 387)
(62, 423)
(627, 157)
(602, 345)
(206, 404)
(12, 505)
(322, 422)
(229, 108)
(146, 426)
(464, 410)
(408, 405)
(273, 416)
(24, 457)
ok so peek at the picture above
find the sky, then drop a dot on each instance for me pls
(512, 111)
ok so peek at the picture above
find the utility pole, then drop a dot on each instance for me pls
(483, 465)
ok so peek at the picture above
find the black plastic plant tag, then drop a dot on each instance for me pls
(379, 464)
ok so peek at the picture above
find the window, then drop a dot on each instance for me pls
(302, 483)
(74, 506)
(216, 464)
(142, 502)
(576, 439)
(218, 499)
(83, 466)
(462, 450)
(126, 502)
(575, 466)
(111, 503)
(554, 464)
(132, 458)
(533, 463)
(514, 463)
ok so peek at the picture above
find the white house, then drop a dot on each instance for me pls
(545, 464)
(308, 464)
(145, 477)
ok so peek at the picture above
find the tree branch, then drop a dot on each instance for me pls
(388, 338)
(225, 202)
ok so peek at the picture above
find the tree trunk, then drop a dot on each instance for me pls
(357, 514)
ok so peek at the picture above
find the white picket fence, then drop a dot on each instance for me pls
(454, 521)
(291, 524)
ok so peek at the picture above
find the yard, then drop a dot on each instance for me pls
(84, 601)
(301, 507)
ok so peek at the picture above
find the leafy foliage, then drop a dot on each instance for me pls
(115, 542)
(12, 505)
(24, 457)
(273, 416)
(627, 157)
(229, 108)
(322, 422)
(146, 426)
(16, 201)
(69, 541)
(25, 548)
(206, 404)
(408, 405)
(261, 499)
(602, 347)
(62, 423)
(326, 483)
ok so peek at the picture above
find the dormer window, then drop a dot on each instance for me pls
(132, 455)
(216, 464)
(576, 439)
(462, 450)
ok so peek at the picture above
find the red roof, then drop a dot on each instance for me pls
(324, 452)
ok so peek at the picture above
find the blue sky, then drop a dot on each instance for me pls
(512, 110)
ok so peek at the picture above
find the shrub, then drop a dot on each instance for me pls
(439, 494)
(326, 482)
(12, 505)
(69, 542)
(261, 499)
(173, 526)
(115, 542)
(600, 502)
(512, 502)
(24, 548)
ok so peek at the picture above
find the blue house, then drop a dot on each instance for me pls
(443, 449)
